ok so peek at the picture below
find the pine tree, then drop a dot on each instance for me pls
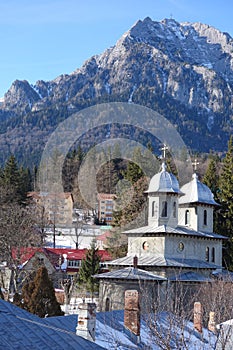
(211, 178)
(225, 197)
(90, 266)
(39, 295)
(11, 173)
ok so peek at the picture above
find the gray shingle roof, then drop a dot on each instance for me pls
(130, 273)
(179, 230)
(24, 331)
(160, 260)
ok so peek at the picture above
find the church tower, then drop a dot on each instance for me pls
(196, 206)
(163, 194)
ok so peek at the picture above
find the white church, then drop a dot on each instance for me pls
(177, 245)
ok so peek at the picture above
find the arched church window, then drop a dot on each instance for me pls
(205, 217)
(107, 304)
(187, 217)
(174, 209)
(213, 255)
(153, 208)
(145, 246)
(207, 254)
(164, 209)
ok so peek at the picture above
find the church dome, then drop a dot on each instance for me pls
(164, 182)
(196, 192)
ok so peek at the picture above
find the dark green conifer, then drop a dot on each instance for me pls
(39, 296)
(90, 266)
(225, 198)
(211, 178)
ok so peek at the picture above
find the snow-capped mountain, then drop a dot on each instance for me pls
(182, 70)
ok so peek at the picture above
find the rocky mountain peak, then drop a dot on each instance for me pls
(20, 95)
(182, 70)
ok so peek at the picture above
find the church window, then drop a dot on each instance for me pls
(174, 209)
(145, 246)
(107, 304)
(207, 254)
(213, 255)
(181, 246)
(164, 209)
(187, 217)
(205, 217)
(153, 208)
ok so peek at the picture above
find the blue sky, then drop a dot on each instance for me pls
(42, 39)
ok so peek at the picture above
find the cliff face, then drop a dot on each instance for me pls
(182, 70)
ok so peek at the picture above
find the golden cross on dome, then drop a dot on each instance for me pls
(164, 149)
(195, 164)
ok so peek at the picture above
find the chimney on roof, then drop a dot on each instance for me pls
(132, 315)
(135, 262)
(86, 321)
(197, 319)
(212, 323)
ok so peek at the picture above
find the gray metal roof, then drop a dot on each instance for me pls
(164, 182)
(130, 273)
(179, 230)
(22, 330)
(190, 276)
(161, 261)
(196, 192)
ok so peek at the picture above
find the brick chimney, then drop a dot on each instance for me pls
(212, 323)
(197, 319)
(132, 315)
(86, 321)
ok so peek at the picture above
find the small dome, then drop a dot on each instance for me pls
(164, 182)
(196, 192)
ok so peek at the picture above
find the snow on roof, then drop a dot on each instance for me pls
(110, 332)
(23, 330)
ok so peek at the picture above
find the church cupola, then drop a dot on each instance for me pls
(196, 206)
(163, 193)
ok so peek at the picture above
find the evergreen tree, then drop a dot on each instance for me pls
(39, 295)
(17, 181)
(225, 197)
(90, 266)
(11, 173)
(211, 178)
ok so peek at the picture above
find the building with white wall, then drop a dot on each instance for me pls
(178, 243)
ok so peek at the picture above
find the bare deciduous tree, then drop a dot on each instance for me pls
(17, 231)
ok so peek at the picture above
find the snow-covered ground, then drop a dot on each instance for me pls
(66, 237)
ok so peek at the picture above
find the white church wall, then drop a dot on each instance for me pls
(188, 217)
(208, 225)
(156, 215)
(145, 245)
(193, 248)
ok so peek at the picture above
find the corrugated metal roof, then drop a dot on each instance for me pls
(190, 276)
(196, 192)
(24, 331)
(160, 260)
(164, 182)
(179, 230)
(130, 273)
